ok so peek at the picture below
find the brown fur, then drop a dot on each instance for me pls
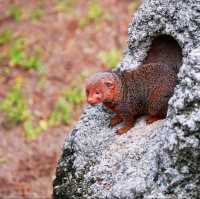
(130, 94)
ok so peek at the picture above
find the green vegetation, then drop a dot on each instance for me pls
(19, 57)
(5, 36)
(110, 58)
(64, 106)
(65, 5)
(70, 98)
(16, 53)
(37, 14)
(61, 113)
(15, 109)
(14, 106)
(94, 14)
(74, 95)
(31, 132)
(15, 12)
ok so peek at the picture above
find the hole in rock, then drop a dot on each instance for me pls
(165, 50)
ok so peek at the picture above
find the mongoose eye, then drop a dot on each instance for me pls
(108, 84)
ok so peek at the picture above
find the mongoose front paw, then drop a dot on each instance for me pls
(122, 130)
(128, 126)
(115, 120)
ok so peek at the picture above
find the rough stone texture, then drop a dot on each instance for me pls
(154, 161)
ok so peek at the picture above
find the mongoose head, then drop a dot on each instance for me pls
(101, 87)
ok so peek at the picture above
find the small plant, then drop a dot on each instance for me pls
(61, 113)
(69, 99)
(94, 13)
(15, 12)
(16, 111)
(74, 95)
(33, 62)
(18, 56)
(65, 5)
(5, 36)
(37, 14)
(14, 106)
(110, 58)
(31, 132)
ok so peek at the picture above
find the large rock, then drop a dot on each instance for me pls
(154, 161)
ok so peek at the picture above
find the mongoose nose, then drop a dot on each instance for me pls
(91, 101)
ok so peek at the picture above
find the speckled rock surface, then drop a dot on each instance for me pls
(154, 161)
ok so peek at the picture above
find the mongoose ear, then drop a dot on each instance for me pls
(109, 84)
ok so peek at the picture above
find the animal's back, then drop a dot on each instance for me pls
(146, 85)
(157, 82)
(154, 72)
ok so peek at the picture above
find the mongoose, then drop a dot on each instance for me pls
(130, 94)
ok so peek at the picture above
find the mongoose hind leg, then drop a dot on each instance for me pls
(117, 119)
(158, 103)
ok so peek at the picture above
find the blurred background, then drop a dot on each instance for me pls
(47, 50)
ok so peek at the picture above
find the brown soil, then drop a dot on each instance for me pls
(27, 167)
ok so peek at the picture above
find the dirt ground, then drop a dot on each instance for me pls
(27, 167)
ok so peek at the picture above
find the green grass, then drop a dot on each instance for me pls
(61, 112)
(94, 14)
(16, 112)
(17, 52)
(15, 12)
(64, 106)
(19, 57)
(110, 58)
(37, 14)
(5, 36)
(65, 5)
(31, 132)
(14, 106)
(74, 95)
(69, 99)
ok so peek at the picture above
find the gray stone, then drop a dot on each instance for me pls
(161, 160)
